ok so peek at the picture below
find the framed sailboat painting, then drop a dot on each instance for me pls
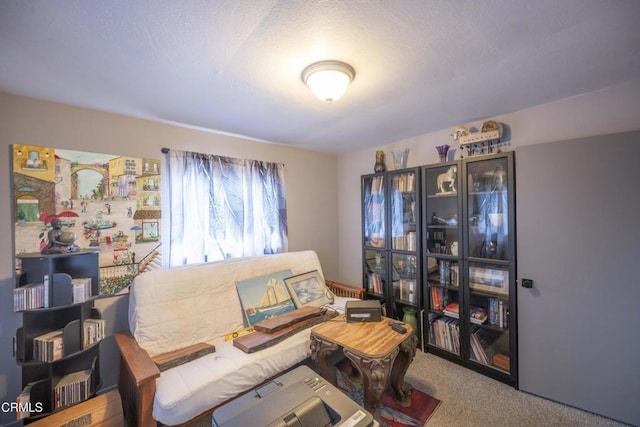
(264, 297)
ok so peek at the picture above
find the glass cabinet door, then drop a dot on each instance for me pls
(488, 204)
(404, 269)
(490, 260)
(404, 206)
(375, 272)
(404, 211)
(442, 298)
(374, 214)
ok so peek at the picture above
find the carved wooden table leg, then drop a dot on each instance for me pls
(402, 390)
(320, 353)
(375, 375)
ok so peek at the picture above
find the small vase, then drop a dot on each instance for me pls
(410, 317)
(400, 156)
(442, 152)
(379, 166)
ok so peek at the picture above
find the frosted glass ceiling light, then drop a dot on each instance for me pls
(328, 80)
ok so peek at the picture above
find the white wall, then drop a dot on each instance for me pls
(610, 110)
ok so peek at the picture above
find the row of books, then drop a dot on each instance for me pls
(498, 313)
(477, 315)
(49, 347)
(445, 333)
(377, 184)
(447, 274)
(72, 388)
(405, 242)
(30, 297)
(374, 283)
(439, 298)
(80, 289)
(36, 295)
(404, 183)
(405, 289)
(481, 346)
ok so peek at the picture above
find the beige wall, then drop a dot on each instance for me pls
(310, 176)
(311, 182)
(611, 110)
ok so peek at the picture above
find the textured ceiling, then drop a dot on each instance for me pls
(234, 66)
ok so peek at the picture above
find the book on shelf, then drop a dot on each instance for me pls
(404, 289)
(47, 290)
(444, 333)
(49, 347)
(437, 298)
(93, 331)
(403, 183)
(29, 297)
(24, 402)
(374, 283)
(72, 388)
(377, 184)
(497, 313)
(452, 309)
(80, 289)
(501, 361)
(477, 315)
(482, 346)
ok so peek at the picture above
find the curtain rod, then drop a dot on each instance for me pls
(164, 150)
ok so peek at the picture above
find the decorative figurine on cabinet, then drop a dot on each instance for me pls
(447, 181)
(60, 242)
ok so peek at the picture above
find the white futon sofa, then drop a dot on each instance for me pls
(176, 308)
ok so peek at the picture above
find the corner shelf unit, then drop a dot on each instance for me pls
(470, 265)
(45, 363)
(391, 240)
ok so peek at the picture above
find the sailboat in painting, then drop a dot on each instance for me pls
(275, 301)
(274, 297)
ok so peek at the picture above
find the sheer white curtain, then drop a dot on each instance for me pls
(223, 207)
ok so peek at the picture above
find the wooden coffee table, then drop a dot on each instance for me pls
(380, 354)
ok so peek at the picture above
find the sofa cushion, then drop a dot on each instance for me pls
(188, 390)
(174, 308)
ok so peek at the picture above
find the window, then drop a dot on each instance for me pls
(222, 207)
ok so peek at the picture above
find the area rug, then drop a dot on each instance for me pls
(393, 415)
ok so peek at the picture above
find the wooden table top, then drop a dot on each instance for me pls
(372, 339)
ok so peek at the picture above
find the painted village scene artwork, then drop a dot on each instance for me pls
(102, 202)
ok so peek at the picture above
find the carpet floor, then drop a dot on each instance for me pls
(393, 415)
(471, 399)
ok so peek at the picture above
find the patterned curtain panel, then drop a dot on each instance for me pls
(223, 207)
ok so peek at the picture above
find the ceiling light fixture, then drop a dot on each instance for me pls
(328, 80)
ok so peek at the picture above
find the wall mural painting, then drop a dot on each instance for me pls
(110, 203)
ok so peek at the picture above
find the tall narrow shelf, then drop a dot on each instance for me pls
(442, 241)
(55, 310)
(470, 265)
(391, 212)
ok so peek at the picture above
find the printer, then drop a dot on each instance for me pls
(299, 398)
